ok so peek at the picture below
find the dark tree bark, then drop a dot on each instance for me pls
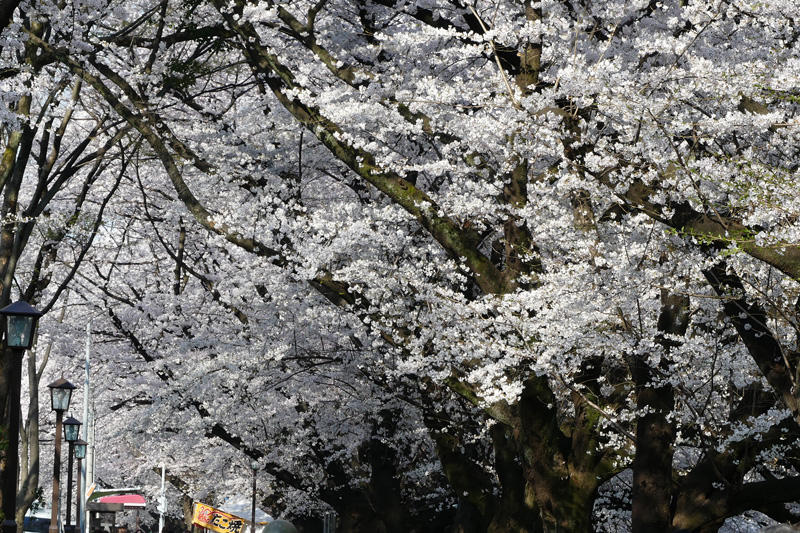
(7, 8)
(651, 494)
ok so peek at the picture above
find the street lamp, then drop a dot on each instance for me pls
(254, 468)
(60, 394)
(21, 320)
(72, 427)
(20, 325)
(80, 453)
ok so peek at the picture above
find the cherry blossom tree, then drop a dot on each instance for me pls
(60, 166)
(510, 265)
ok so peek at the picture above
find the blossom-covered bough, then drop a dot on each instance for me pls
(553, 242)
(57, 178)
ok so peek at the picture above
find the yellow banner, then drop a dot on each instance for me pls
(216, 520)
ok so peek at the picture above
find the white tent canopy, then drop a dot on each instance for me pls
(241, 506)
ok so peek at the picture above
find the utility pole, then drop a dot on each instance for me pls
(87, 468)
(162, 499)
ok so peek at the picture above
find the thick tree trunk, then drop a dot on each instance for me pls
(562, 471)
(652, 466)
(651, 494)
(516, 510)
(12, 177)
(567, 505)
(383, 492)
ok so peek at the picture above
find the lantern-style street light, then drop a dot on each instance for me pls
(60, 395)
(21, 319)
(254, 468)
(79, 447)
(19, 325)
(72, 427)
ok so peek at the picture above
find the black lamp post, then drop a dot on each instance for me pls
(19, 324)
(72, 427)
(254, 468)
(79, 446)
(60, 395)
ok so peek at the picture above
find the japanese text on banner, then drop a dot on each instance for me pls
(216, 520)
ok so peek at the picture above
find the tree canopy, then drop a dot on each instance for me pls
(492, 266)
